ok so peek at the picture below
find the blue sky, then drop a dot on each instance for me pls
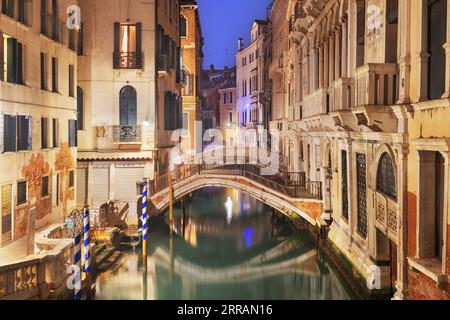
(223, 22)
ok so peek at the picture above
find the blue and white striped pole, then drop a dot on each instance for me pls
(87, 252)
(77, 263)
(144, 219)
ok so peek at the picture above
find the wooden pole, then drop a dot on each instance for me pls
(171, 202)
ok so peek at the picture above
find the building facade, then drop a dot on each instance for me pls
(251, 84)
(192, 59)
(228, 113)
(38, 136)
(129, 102)
(364, 113)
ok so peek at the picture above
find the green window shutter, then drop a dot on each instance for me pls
(19, 63)
(139, 37)
(11, 60)
(116, 37)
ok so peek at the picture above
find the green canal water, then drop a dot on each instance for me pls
(226, 245)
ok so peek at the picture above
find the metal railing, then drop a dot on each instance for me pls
(293, 184)
(162, 63)
(127, 134)
(127, 60)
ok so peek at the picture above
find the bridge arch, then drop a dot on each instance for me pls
(307, 209)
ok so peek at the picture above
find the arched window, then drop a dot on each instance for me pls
(183, 26)
(128, 106)
(386, 176)
(80, 109)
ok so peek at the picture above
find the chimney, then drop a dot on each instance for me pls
(211, 69)
(240, 44)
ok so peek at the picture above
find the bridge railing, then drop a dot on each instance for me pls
(293, 184)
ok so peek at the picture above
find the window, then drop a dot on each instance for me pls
(231, 97)
(44, 133)
(55, 133)
(12, 59)
(73, 133)
(128, 106)
(43, 71)
(431, 197)
(21, 192)
(437, 37)
(54, 74)
(225, 98)
(183, 26)
(80, 109)
(9, 133)
(71, 179)
(386, 182)
(80, 47)
(44, 187)
(344, 184)
(8, 8)
(23, 133)
(127, 46)
(230, 118)
(172, 112)
(71, 80)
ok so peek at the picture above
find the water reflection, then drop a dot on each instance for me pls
(226, 245)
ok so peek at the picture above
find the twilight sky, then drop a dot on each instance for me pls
(223, 22)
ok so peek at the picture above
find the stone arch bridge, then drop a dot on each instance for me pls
(288, 192)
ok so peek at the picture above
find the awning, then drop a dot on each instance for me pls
(114, 156)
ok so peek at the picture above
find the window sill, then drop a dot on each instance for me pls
(22, 205)
(432, 268)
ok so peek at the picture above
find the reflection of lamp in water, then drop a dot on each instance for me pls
(229, 207)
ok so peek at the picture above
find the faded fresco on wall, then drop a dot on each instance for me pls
(33, 172)
(63, 164)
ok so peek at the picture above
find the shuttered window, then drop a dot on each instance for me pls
(9, 133)
(24, 133)
(101, 185)
(125, 180)
(73, 138)
(81, 187)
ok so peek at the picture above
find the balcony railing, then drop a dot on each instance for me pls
(342, 94)
(127, 60)
(181, 76)
(162, 64)
(127, 134)
(53, 28)
(315, 104)
(377, 84)
(386, 215)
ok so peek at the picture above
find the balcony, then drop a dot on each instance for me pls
(315, 104)
(181, 77)
(118, 137)
(377, 84)
(386, 211)
(162, 63)
(342, 94)
(127, 60)
(53, 28)
(127, 134)
(277, 66)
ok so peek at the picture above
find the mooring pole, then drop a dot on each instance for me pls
(144, 221)
(171, 202)
(87, 252)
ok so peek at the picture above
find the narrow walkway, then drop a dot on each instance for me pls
(14, 252)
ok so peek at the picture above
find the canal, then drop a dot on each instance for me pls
(226, 245)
